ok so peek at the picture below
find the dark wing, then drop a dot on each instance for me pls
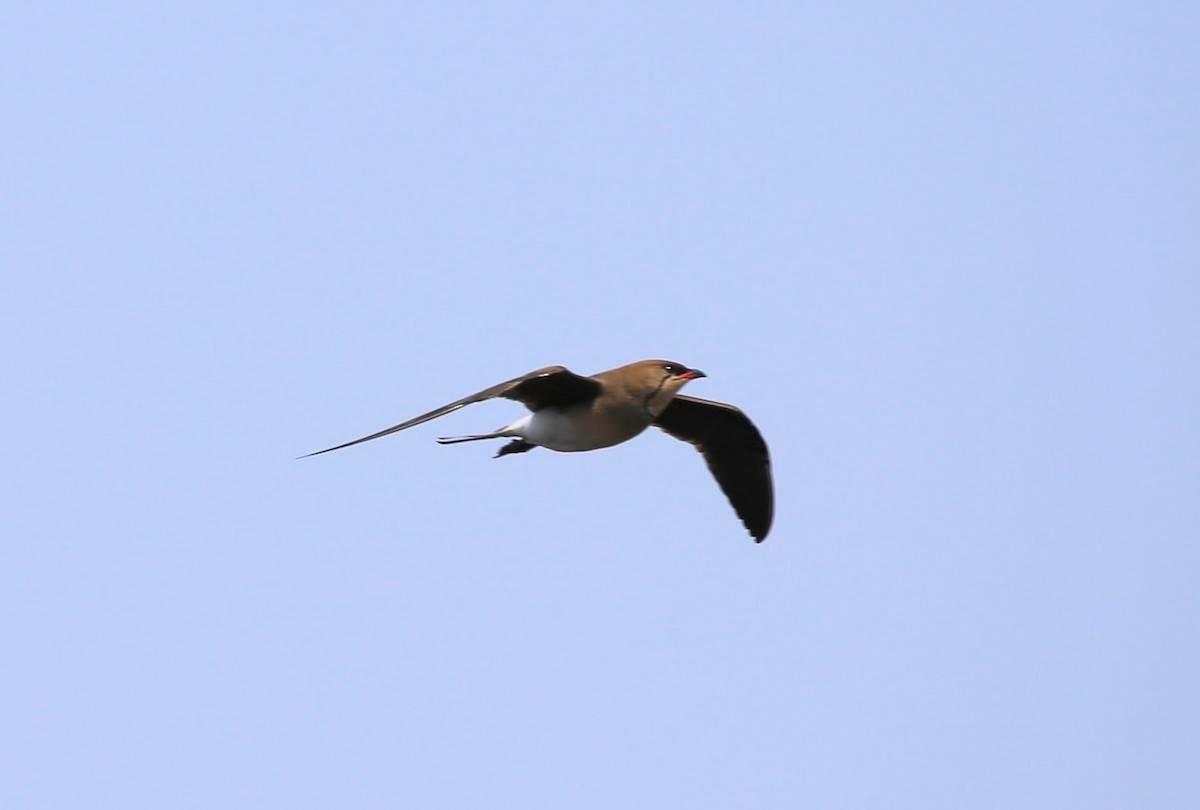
(550, 387)
(735, 452)
(553, 385)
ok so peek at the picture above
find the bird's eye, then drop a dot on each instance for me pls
(672, 368)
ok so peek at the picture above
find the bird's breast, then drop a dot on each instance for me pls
(578, 430)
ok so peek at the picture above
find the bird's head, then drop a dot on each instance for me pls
(662, 380)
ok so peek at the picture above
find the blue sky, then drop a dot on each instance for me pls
(945, 256)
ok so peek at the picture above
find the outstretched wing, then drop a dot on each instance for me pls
(550, 386)
(735, 452)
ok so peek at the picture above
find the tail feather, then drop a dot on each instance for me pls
(461, 439)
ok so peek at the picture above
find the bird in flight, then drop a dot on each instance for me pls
(572, 413)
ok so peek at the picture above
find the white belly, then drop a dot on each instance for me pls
(573, 432)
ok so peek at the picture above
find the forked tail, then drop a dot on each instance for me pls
(461, 439)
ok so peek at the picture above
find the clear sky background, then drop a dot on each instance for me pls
(945, 255)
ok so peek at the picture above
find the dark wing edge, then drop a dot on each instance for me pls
(551, 387)
(735, 452)
(535, 387)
